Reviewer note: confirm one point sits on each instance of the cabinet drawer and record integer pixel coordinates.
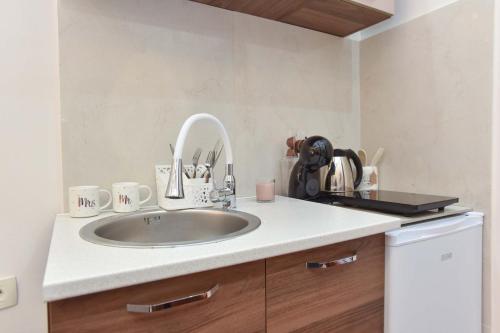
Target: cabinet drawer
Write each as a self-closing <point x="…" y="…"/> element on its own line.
<point x="347" y="297"/>
<point x="238" y="305"/>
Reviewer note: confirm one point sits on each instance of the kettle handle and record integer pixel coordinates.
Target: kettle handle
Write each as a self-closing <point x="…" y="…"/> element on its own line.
<point x="357" y="163"/>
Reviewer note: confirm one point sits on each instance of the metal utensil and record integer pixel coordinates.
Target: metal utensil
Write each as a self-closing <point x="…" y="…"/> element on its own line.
<point x="196" y="159"/>
<point x="217" y="145"/>
<point x="216" y="156"/>
<point x="362" y="156"/>
<point x="172" y="150"/>
<point x="208" y="165"/>
<point x="211" y="160"/>
<point x="209" y="157"/>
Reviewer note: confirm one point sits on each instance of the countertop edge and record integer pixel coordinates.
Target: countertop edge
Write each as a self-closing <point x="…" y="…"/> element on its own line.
<point x="59" y="291"/>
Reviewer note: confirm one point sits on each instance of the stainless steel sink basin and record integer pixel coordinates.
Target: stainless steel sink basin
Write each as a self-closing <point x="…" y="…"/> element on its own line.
<point x="159" y="228"/>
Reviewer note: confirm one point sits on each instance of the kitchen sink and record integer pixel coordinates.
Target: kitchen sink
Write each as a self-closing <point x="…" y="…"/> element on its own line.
<point x="159" y="228"/>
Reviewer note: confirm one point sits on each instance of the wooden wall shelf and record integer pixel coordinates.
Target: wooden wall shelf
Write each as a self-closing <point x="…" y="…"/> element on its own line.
<point x="336" y="17"/>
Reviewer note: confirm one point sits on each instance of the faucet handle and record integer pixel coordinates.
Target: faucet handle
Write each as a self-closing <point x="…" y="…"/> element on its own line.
<point x="224" y="195"/>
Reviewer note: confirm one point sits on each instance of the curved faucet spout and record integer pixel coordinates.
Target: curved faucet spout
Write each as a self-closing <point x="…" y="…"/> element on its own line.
<point x="181" y="138"/>
<point x="175" y="188"/>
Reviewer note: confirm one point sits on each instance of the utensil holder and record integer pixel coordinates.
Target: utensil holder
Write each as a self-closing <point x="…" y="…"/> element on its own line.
<point x="196" y="191"/>
<point x="370" y="180"/>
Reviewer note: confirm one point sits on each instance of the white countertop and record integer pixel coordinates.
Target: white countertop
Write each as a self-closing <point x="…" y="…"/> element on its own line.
<point x="76" y="267"/>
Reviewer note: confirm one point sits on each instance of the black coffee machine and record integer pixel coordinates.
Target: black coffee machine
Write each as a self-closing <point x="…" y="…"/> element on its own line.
<point x="305" y="180"/>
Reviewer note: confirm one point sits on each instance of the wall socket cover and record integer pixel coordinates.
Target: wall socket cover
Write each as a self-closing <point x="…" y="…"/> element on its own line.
<point x="8" y="292"/>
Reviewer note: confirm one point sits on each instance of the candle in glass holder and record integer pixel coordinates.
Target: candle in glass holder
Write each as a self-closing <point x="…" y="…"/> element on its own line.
<point x="265" y="190"/>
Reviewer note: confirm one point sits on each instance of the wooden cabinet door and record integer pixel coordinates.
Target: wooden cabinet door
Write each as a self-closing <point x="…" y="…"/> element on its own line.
<point x="238" y="305"/>
<point x="347" y="297"/>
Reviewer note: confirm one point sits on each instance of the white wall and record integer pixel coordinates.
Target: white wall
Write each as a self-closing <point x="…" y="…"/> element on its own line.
<point x="495" y="193"/>
<point x="433" y="84"/>
<point x="30" y="170"/>
<point x="404" y="11"/>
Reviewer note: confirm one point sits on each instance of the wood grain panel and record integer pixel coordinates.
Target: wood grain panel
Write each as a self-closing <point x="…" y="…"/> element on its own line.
<point x="346" y="298"/>
<point x="238" y="305"/>
<point x="271" y="9"/>
<point x="382" y="5"/>
<point x="323" y="22"/>
<point x="336" y="17"/>
<point x="347" y="11"/>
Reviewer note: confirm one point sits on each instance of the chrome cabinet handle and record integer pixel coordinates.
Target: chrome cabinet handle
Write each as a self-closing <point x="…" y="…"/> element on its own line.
<point x="336" y="262"/>
<point x="149" y="308"/>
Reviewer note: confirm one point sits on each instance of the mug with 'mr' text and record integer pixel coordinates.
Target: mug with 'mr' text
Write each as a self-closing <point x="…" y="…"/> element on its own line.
<point x="126" y="197"/>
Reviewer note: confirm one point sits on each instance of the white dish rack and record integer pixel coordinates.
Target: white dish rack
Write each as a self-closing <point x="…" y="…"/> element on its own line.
<point x="196" y="190"/>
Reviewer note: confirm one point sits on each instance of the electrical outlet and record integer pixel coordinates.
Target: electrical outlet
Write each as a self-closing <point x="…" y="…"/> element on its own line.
<point x="8" y="292"/>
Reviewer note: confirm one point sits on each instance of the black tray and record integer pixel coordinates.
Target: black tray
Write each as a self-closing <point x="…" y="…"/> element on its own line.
<point x="390" y="201"/>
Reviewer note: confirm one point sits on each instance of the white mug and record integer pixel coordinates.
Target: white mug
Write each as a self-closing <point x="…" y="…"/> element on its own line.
<point x="126" y="197"/>
<point x="84" y="201"/>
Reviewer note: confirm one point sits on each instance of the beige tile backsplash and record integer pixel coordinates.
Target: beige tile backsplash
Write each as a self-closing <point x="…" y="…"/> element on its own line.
<point x="426" y="97"/>
<point x="133" y="71"/>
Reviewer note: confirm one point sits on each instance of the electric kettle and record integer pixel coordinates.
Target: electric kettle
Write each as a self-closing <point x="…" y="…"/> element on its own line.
<point x="340" y="176"/>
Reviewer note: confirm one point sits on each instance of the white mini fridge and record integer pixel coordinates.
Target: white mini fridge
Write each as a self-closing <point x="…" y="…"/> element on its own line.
<point x="434" y="276"/>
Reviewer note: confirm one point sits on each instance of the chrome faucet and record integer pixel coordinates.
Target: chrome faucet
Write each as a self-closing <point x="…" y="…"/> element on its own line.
<point x="175" y="189"/>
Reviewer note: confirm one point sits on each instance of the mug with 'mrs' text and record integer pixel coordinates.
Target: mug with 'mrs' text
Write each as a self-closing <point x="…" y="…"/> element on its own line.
<point x="126" y="197"/>
<point x="84" y="201"/>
